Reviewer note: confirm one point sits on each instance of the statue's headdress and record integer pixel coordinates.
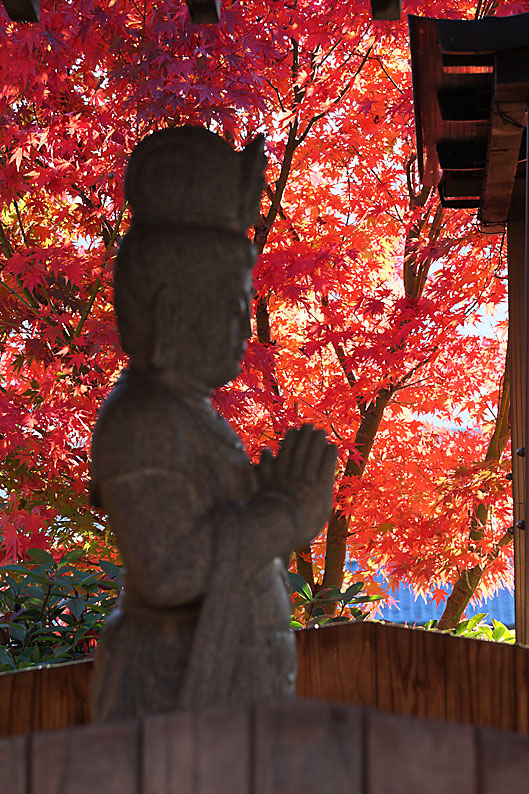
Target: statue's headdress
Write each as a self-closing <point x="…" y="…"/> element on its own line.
<point x="189" y="176"/>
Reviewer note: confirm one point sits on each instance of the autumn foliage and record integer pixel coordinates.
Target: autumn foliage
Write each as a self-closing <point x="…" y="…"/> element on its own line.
<point x="368" y="294"/>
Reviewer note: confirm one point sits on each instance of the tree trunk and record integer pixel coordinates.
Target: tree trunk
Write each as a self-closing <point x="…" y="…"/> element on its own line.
<point x="465" y="587"/>
<point x="338" y="527"/>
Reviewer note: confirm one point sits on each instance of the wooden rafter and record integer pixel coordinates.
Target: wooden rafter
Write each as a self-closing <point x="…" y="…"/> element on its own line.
<point x="22" y="10"/>
<point x="204" y="11"/>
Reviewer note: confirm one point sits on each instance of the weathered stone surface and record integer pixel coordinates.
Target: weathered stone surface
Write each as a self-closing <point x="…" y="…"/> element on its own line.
<point x="204" y="615"/>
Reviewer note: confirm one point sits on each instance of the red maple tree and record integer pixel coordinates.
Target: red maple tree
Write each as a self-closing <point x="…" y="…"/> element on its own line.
<point x="368" y="293"/>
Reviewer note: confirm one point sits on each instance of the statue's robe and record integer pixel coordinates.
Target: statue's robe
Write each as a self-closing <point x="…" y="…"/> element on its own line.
<point x="203" y="616"/>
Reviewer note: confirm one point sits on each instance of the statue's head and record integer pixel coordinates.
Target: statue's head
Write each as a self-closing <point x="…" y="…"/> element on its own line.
<point x="183" y="271"/>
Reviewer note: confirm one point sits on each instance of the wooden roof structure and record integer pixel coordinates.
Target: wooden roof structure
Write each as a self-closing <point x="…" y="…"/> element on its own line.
<point x="471" y="95"/>
<point x="470" y="89"/>
<point x="200" y="11"/>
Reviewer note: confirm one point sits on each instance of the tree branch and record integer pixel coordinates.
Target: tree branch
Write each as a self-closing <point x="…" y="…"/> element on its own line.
<point x="112" y="239"/>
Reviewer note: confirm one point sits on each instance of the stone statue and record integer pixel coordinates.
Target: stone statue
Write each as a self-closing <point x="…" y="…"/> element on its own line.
<point x="203" y="617"/>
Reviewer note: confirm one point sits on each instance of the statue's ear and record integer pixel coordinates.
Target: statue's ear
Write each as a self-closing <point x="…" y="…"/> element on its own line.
<point x="165" y="316"/>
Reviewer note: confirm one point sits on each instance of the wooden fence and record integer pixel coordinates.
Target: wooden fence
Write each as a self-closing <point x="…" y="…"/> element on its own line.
<point x="407" y="671"/>
<point x="284" y="747"/>
<point x="417" y="672"/>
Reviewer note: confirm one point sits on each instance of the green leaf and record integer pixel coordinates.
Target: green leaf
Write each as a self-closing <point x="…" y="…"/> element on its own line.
<point x="17" y="631"/>
<point x="42" y="557"/>
<point x="76" y="606"/>
<point x="72" y="556"/>
<point x="430" y="624"/>
<point x="352" y="591"/>
<point x="6" y="659"/>
<point x="13" y="567"/>
<point x="461" y="627"/>
<point x="476" y="619"/>
<point x="328" y="594"/>
<point x="297" y="585"/>
<point x="61" y="650"/>
<point x="115" y="570"/>
<point x="295" y="624"/>
<point x="499" y="632"/>
<point x="366" y="599"/>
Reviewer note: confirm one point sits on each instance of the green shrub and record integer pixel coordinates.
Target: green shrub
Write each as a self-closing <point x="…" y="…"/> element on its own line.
<point x="478" y="628"/>
<point x="52" y="612"/>
<point x="311" y="604"/>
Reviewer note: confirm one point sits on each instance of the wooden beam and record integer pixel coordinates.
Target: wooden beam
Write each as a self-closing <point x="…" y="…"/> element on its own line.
<point x="385" y="9"/>
<point x="490" y="34"/>
<point x="461" y="186"/>
<point x="203" y="12"/>
<point x="462" y="155"/>
<point x="465" y="104"/>
<point x="511" y="93"/>
<point x="23" y="10"/>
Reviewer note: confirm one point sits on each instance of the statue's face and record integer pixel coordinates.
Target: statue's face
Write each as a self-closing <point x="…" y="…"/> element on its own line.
<point x="205" y="340"/>
<point x="223" y="330"/>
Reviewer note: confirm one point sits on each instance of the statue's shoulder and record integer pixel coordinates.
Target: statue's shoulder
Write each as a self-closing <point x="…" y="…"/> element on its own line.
<point x="140" y="426"/>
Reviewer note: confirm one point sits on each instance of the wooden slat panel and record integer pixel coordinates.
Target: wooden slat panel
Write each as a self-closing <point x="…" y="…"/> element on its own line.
<point x="197" y="752"/>
<point x="169" y="754"/>
<point x="410" y="672"/>
<point x="45" y="698"/>
<point x="307" y="747"/>
<point x="416" y="672"/>
<point x="503" y="761"/>
<point x="349" y="654"/>
<point x="520" y="721"/>
<point x="222" y="750"/>
<point x="516" y="248"/>
<point x="94" y="759"/>
<point x="13" y="765"/>
<point x="481" y="684"/>
<point x="406" y="670"/>
<point x="414" y="756"/>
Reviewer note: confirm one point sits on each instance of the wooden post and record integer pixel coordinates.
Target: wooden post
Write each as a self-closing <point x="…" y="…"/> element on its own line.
<point x="518" y="351"/>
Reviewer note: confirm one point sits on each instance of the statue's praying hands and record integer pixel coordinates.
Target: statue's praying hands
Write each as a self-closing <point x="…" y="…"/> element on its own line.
<point x="304" y="471"/>
<point x="203" y="617"/>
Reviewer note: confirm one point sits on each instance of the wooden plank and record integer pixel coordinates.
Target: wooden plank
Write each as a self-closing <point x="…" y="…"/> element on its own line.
<point x="86" y="760"/>
<point x="481" y="683"/>
<point x="222" y="750"/>
<point x="520" y="720"/>
<point x="414" y="756"/>
<point x="517" y="347"/>
<point x="168" y="754"/>
<point x="410" y="671"/>
<point x="191" y="752"/>
<point x="505" y="136"/>
<point x="13" y="765"/>
<point x="45" y="698"/>
<point x="503" y="760"/>
<point x="309" y="747"/>
<point x="337" y="663"/>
